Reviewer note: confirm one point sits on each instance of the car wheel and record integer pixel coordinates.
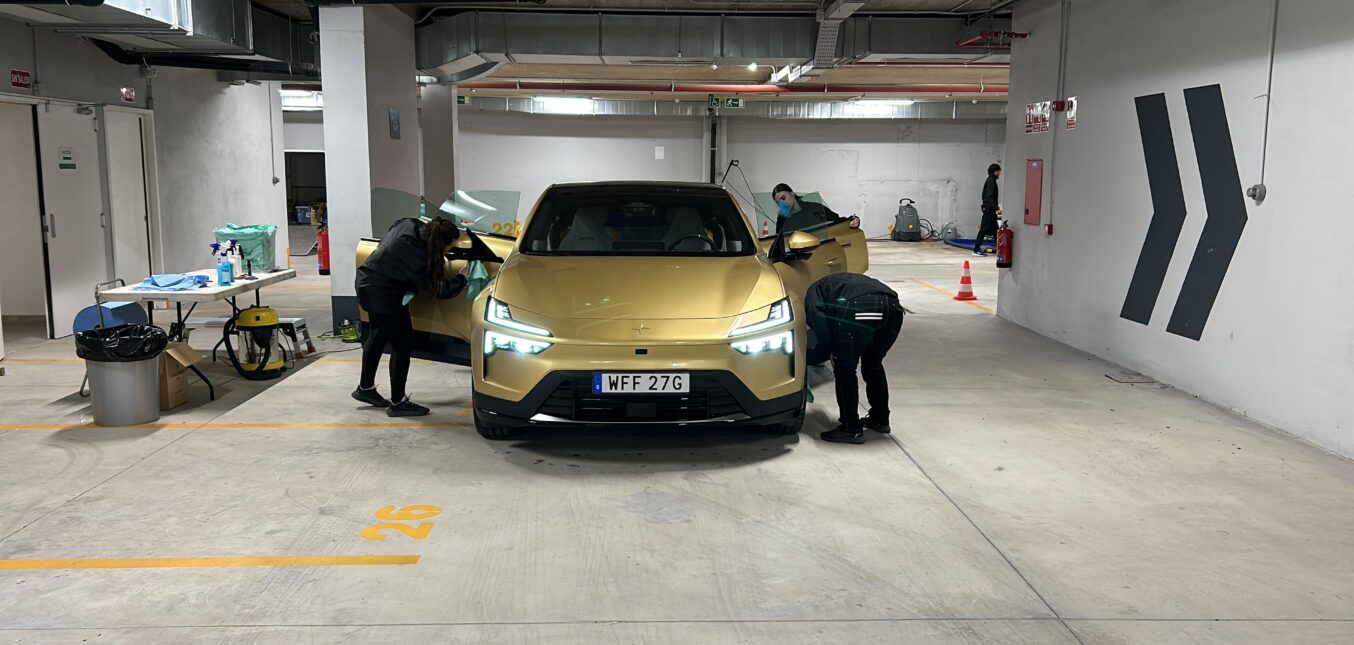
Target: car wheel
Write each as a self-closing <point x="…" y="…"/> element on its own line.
<point x="793" y="426"/>
<point x="491" y="431"/>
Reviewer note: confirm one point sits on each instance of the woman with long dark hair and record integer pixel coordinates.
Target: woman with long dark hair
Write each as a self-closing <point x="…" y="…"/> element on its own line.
<point x="411" y="257"/>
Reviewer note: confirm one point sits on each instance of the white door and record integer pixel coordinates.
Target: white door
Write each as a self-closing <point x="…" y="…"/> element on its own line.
<point x="22" y="289"/>
<point x="128" y="214"/>
<point x="73" y="214"/>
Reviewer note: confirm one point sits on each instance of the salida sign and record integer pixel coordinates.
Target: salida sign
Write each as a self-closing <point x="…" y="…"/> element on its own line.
<point x="21" y="79"/>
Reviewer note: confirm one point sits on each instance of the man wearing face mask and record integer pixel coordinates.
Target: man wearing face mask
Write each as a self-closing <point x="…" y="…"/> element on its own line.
<point x="795" y="214"/>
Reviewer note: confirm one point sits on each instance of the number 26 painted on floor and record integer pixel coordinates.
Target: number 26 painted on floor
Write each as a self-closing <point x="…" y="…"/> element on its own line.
<point x="415" y="512"/>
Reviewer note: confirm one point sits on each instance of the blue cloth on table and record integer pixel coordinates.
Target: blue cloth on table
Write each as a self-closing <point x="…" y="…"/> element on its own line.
<point x="172" y="282"/>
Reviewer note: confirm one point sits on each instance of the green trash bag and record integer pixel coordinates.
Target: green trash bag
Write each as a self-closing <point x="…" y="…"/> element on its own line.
<point x="259" y="242"/>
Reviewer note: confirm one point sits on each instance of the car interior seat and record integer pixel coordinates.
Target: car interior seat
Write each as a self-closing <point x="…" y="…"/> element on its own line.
<point x="588" y="232"/>
<point x="685" y="222"/>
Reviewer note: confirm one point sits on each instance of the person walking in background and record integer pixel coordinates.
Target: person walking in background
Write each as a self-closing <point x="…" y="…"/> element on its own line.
<point x="991" y="209"/>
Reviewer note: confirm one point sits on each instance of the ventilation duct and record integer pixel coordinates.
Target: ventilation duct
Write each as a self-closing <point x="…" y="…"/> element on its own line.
<point x="450" y="47"/>
<point x="942" y="110"/>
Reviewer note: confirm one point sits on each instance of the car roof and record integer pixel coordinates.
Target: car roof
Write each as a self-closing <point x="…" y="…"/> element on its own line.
<point x="639" y="184"/>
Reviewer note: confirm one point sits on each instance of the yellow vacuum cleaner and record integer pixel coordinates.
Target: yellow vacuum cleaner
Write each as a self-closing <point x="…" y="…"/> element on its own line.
<point x="264" y="356"/>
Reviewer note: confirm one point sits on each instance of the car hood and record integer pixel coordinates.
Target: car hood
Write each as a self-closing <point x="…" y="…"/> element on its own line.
<point x="641" y="288"/>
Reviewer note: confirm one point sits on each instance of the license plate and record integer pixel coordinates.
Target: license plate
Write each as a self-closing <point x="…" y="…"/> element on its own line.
<point x="615" y="383"/>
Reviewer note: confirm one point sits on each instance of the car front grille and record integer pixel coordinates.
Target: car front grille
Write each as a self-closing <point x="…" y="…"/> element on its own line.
<point x="574" y="400"/>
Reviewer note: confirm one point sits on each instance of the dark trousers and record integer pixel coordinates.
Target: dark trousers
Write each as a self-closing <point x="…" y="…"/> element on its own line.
<point x="988" y="228"/>
<point x="859" y="338"/>
<point x="397" y="330"/>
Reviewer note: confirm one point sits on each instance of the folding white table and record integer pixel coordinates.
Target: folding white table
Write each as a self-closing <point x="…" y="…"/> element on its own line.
<point x="212" y="292"/>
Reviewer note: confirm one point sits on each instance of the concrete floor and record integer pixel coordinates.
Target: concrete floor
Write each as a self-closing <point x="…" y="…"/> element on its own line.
<point x="1023" y="498"/>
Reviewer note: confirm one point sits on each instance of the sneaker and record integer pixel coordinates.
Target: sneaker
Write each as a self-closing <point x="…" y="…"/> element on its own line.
<point x="371" y="397"/>
<point x="881" y="425"/>
<point x="842" y="434"/>
<point x="979" y="254"/>
<point x="407" y="408"/>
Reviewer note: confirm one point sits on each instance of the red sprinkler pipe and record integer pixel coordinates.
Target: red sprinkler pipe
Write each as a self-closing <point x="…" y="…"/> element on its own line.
<point x="678" y="88"/>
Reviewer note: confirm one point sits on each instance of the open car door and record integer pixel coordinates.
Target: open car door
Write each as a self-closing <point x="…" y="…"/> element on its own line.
<point x="446" y="323"/>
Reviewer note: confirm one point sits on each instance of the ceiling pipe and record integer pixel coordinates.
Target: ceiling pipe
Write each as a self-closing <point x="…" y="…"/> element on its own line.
<point x="68" y="3"/>
<point x="699" y="88"/>
<point x="204" y="62"/>
<point x="925" y="63"/>
<point x="983" y="40"/>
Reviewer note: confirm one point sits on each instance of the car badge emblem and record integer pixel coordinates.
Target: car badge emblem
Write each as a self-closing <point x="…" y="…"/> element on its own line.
<point x="641" y="329"/>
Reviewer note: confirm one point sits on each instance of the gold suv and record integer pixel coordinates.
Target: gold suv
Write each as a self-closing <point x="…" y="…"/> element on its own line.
<point x="635" y="303"/>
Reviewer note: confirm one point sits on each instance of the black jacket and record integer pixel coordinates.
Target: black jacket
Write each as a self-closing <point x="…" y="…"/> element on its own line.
<point x="990" y="195"/>
<point x="831" y="299"/>
<point x="810" y="214"/>
<point x="399" y="266"/>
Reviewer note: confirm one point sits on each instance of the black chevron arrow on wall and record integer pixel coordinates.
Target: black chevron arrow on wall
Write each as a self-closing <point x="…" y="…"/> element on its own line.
<point x="1223" y="199"/>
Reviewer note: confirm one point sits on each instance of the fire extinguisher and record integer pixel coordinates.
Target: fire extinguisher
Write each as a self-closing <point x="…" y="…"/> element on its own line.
<point x="1005" y="248"/>
<point x="322" y="242"/>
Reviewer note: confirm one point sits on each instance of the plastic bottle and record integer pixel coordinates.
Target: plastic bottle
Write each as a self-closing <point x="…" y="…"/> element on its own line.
<point x="236" y="262"/>
<point x="225" y="273"/>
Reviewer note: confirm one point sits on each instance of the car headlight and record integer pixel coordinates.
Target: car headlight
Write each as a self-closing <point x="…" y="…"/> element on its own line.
<point x="494" y="341"/>
<point x="784" y="341"/>
<point x="498" y="313"/>
<point x="779" y="314"/>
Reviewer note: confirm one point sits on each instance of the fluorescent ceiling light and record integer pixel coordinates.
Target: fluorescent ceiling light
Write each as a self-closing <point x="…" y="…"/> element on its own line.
<point x="888" y="102"/>
<point x="563" y="105"/>
<point x="301" y="101"/>
<point x="426" y="80"/>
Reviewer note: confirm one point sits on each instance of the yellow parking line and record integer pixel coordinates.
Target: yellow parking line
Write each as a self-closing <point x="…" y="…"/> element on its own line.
<point x="232" y="426"/>
<point x="44" y="360"/>
<point x="942" y="291"/>
<point x="240" y="561"/>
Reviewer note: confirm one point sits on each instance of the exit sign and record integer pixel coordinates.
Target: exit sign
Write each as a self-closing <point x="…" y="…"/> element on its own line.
<point x="733" y="103"/>
<point x="462" y="100"/>
<point x="21" y="79"/>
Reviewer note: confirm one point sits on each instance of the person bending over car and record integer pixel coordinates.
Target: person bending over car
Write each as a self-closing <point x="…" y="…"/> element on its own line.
<point x="411" y="256"/>
<point x="795" y="214"/>
<point x="854" y="319"/>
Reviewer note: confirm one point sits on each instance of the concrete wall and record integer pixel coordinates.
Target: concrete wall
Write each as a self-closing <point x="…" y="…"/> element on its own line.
<point x="864" y="167"/>
<point x="303" y="131"/>
<point x="528" y="152"/>
<point x="65" y="67"/>
<point x="219" y="148"/>
<point x="1278" y="345"/>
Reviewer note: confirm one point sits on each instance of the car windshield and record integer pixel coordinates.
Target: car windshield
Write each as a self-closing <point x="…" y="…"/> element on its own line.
<point x="632" y="220"/>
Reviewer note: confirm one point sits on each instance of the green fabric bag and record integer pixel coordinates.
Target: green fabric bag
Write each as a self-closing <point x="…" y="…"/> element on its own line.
<point x="258" y="241"/>
<point x="475" y="280"/>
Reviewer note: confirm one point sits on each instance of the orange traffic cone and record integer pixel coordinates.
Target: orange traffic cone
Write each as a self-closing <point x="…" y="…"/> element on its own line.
<point x="766" y="230"/>
<point x="966" y="285"/>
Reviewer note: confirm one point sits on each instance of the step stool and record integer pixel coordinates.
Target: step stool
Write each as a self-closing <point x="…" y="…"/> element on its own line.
<point x="295" y="329"/>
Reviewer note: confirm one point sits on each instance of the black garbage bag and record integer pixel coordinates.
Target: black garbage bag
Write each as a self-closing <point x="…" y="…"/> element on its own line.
<point x="121" y="344"/>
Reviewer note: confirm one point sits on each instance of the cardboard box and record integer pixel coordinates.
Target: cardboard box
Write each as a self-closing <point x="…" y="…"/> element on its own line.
<point x="174" y="364"/>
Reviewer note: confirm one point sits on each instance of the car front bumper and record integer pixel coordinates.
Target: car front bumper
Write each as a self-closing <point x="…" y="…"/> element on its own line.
<point x="565" y="398"/>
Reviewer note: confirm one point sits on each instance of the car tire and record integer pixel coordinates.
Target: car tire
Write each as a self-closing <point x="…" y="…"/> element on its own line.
<point x="491" y="431"/>
<point x="793" y="426"/>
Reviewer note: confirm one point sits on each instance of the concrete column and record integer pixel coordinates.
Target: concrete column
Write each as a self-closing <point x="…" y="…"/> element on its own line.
<point x="371" y="133"/>
<point x="440" y="125"/>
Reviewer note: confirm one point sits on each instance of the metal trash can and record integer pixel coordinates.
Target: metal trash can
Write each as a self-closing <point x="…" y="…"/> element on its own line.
<point x="124" y="372"/>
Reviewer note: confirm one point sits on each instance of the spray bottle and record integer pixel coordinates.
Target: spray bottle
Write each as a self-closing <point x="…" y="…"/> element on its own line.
<point x="225" y="272"/>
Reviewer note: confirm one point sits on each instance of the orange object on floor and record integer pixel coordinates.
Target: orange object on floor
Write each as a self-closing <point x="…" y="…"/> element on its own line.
<point x="966" y="285"/>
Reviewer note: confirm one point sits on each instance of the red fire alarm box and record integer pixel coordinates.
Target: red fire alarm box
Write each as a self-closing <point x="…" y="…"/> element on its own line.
<point x="1034" y="190"/>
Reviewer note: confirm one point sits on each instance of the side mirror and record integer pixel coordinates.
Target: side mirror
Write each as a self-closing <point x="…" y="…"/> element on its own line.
<point x="801" y="242"/>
